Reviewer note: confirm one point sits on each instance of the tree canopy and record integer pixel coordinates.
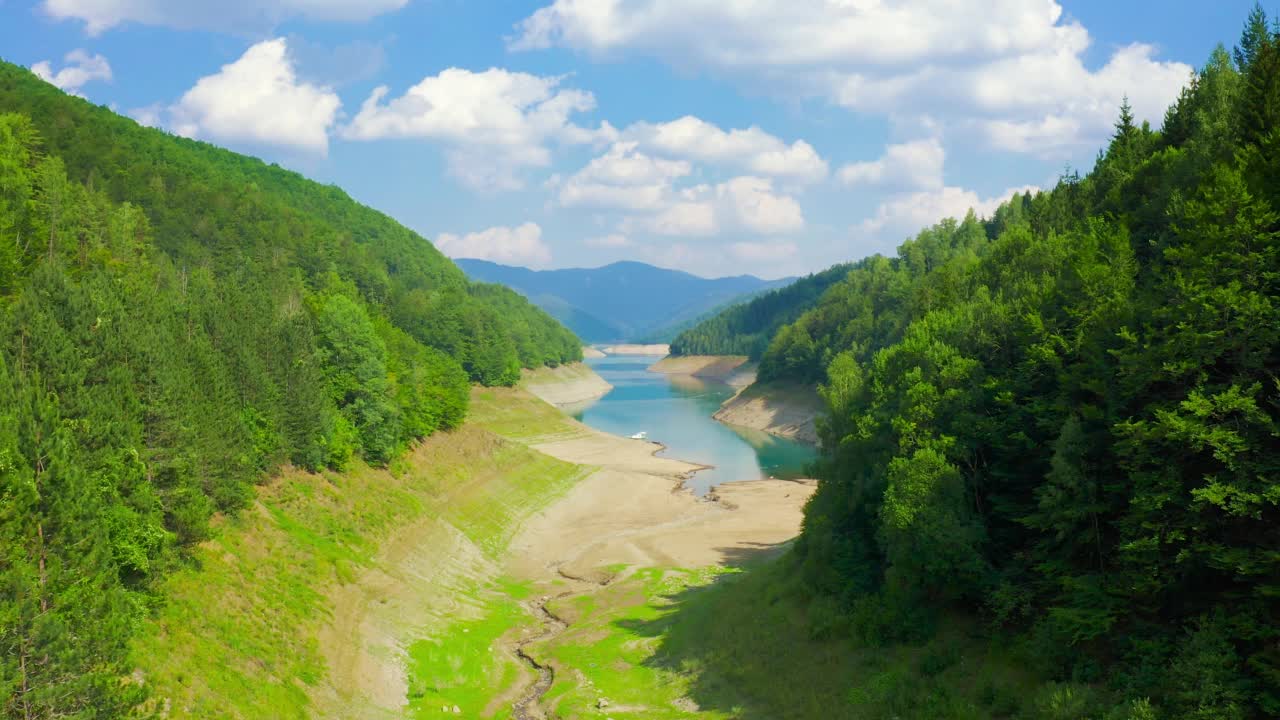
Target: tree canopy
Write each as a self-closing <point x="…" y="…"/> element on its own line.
<point x="1064" y="418"/>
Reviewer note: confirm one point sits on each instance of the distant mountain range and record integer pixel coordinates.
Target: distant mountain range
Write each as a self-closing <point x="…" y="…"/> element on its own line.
<point x="625" y="301"/>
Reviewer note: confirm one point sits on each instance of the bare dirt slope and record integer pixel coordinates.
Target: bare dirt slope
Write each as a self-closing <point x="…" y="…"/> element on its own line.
<point x="732" y="369"/>
<point x="783" y="410"/>
<point x="617" y="517"/>
<point x="565" y="385"/>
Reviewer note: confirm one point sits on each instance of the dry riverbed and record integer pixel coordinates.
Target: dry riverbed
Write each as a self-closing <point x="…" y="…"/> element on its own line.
<point x="600" y="545"/>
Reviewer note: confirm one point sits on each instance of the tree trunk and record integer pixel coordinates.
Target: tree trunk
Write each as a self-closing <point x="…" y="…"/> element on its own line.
<point x="22" y="664"/>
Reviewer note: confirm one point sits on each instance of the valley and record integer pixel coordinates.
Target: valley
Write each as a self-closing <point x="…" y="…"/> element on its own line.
<point x="551" y="423"/>
<point x="427" y="593"/>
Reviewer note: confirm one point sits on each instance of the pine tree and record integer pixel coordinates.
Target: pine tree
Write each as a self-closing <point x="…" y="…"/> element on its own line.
<point x="1256" y="34"/>
<point x="1260" y="114"/>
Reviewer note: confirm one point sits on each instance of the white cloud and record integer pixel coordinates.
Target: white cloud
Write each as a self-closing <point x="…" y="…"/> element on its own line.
<point x="229" y="15"/>
<point x="626" y="179"/>
<point x="744" y="204"/>
<point x="912" y="165"/>
<point x="613" y="240"/>
<point x="521" y="245"/>
<point x="692" y="218"/>
<point x="150" y="115"/>
<point x="752" y="203"/>
<point x="768" y="33"/>
<point x="752" y="148"/>
<point x="906" y="214"/>
<point x="80" y="69"/>
<point x="1012" y="70"/>
<point x="623" y="178"/>
<point x="257" y="99"/>
<point x="1084" y="106"/>
<point x="497" y="122"/>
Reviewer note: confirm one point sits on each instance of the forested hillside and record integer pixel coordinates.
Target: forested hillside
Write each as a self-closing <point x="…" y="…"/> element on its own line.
<point x="1066" y="419"/>
<point x="747" y="328"/>
<point x="176" y="323"/>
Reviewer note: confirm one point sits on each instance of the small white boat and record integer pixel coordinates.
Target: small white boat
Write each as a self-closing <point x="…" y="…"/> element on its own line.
<point x="640" y="436"/>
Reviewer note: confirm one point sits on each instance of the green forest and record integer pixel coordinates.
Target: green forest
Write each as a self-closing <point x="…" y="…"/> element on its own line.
<point x="176" y="323"/>
<point x="1065" y="419"/>
<point x="746" y="328"/>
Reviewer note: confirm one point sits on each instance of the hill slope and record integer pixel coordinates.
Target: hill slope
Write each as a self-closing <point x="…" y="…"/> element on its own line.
<point x="620" y="302"/>
<point x="747" y="327"/>
<point x="1064" y="419"/>
<point x="177" y="323"/>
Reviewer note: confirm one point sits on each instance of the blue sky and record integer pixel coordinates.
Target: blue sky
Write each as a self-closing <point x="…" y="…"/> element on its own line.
<point x="715" y="136"/>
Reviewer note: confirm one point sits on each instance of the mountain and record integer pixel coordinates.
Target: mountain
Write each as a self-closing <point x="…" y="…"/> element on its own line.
<point x="622" y="301"/>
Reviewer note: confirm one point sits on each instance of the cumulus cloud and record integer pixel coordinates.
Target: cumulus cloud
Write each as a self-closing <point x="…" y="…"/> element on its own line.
<point x="746" y="204"/>
<point x="1013" y="70"/>
<point x="771" y="33"/>
<point x="629" y="180"/>
<point x="752" y="149"/>
<point x="687" y="217"/>
<point x="257" y="99"/>
<point x="905" y="214"/>
<point x="912" y="165"/>
<point x="753" y="204"/>
<point x="623" y="178"/>
<point x="520" y="245"/>
<point x="497" y="122"/>
<point x="1086" y="105"/>
<point x="223" y="15"/>
<point x="80" y="68"/>
<point x="150" y="115"/>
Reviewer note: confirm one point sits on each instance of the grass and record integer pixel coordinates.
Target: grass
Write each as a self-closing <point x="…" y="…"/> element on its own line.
<point x="509" y="413"/>
<point x="606" y="653"/>
<point x="236" y="635"/>
<point x="721" y="644"/>
<point x="462" y="665"/>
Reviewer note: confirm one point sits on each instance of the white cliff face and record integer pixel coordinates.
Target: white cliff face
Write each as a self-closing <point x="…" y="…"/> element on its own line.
<point x="565" y="385"/>
<point x="785" y="411"/>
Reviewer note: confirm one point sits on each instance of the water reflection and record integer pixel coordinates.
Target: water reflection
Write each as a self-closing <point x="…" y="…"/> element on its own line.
<point x="676" y="411"/>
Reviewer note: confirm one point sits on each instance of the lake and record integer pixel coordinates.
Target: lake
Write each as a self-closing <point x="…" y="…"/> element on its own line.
<point x="676" y="410"/>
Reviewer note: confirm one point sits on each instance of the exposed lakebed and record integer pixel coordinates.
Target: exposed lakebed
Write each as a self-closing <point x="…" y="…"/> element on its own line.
<point x="676" y="410"/>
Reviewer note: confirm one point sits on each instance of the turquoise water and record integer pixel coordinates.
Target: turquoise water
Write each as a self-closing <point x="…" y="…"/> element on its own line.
<point x="676" y="411"/>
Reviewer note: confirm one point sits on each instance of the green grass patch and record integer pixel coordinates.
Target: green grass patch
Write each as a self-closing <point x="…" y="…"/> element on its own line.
<point x="749" y="645"/>
<point x="463" y="665"/>
<point x="608" y="649"/>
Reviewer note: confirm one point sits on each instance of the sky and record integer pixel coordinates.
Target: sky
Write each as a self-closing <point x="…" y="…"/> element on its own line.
<point x="721" y="137"/>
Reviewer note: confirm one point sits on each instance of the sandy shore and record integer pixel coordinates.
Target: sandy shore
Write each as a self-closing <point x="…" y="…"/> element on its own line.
<point x="589" y="353"/>
<point x="732" y="369"/>
<point x="786" y="411"/>
<point x="634" y="511"/>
